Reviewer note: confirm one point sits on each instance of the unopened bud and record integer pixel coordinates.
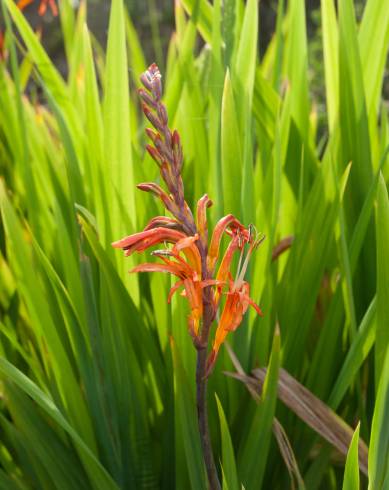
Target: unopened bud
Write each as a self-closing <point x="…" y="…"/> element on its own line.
<point x="167" y="177"/>
<point x="152" y="117"/>
<point x="176" y="140"/>
<point x="163" y="149"/>
<point x="145" y="81"/>
<point x="155" y="80"/>
<point x="159" y="192"/>
<point x="146" y="97"/>
<point x="155" y="155"/>
<point x="151" y="134"/>
<point x="151" y="79"/>
<point x="162" y="114"/>
<point x="177" y="151"/>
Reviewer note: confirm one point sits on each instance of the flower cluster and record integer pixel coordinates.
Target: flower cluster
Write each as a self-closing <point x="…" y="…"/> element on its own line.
<point x="204" y="277"/>
<point x="22" y="4"/>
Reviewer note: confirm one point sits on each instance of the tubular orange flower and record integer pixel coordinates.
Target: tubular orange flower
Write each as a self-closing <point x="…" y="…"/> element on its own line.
<point x="188" y="270"/>
<point x="237" y="303"/>
<point x="238" y="296"/>
<point x="202" y="227"/>
<point x="3" y="51"/>
<point x="140" y="242"/>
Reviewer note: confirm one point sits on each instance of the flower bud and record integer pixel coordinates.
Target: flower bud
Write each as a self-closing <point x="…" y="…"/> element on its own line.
<point x="146" y="97"/>
<point x="151" y="134"/>
<point x="163" y="149"/>
<point x="155" y="80"/>
<point x="155" y="155"/>
<point x="177" y="151"/>
<point x="152" y="117"/>
<point x="162" y="114"/>
<point x="151" y="79"/>
<point x="145" y="81"/>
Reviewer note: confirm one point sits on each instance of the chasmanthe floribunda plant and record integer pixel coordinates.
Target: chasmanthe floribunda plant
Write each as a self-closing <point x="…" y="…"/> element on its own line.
<point x="202" y="276"/>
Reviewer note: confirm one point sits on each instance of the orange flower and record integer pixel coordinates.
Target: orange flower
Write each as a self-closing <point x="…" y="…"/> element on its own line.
<point x="3" y="51"/>
<point x="183" y="260"/>
<point x="22" y="4"/>
<point x="238" y="294"/>
<point x="187" y="267"/>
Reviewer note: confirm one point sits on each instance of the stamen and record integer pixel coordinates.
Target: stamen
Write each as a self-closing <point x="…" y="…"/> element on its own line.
<point x="166" y="252"/>
<point x="239" y="280"/>
<point x="239" y="263"/>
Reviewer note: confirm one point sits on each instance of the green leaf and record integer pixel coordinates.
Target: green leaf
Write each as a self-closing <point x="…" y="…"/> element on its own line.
<point x="187" y="418"/>
<point x="351" y="472"/>
<point x="357" y="353"/>
<point x="382" y="227"/>
<point x="98" y="475"/>
<point x="331" y="61"/>
<point x="243" y="75"/>
<point x="230" y="476"/>
<point x="374" y="31"/>
<point x="243" y="78"/>
<point x="231" y="150"/>
<point x="117" y="143"/>
<point x="203" y="11"/>
<point x="379" y="441"/>
<point x="297" y="66"/>
<point x="254" y="452"/>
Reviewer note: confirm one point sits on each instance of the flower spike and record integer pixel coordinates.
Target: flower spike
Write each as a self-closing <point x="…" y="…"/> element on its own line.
<point x="206" y="281"/>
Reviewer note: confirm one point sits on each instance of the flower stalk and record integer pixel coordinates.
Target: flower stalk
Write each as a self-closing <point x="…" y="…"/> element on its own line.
<point x="206" y="280"/>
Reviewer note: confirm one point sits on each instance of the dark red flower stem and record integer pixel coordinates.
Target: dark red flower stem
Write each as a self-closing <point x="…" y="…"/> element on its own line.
<point x="202" y="414"/>
<point x="201" y="378"/>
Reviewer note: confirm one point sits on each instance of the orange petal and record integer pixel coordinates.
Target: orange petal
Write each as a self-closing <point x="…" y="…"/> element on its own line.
<point x="211" y="282"/>
<point x="230" y="320"/>
<point x="211" y="362"/>
<point x="254" y="305"/>
<point x="173" y="289"/>
<point x="159" y="192"/>
<point x="225" y="264"/>
<point x="194" y="296"/>
<point x="42" y="8"/>
<point x="150" y="267"/>
<point x="244" y="293"/>
<point x="162" y="221"/>
<point x="202" y="206"/>
<point x="54" y="8"/>
<point x="224" y="268"/>
<point x="190" y="250"/>
<point x="141" y="241"/>
<point x="193" y="293"/>
<point x="186" y="267"/>
<point x="22" y="4"/>
<point x="222" y="225"/>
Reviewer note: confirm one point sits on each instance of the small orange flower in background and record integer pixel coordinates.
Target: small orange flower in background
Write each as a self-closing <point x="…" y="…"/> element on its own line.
<point x="3" y="50"/>
<point x="203" y="277"/>
<point x="44" y="4"/>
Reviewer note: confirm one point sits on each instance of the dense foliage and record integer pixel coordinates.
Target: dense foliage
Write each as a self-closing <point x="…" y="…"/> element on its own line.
<point x="97" y="369"/>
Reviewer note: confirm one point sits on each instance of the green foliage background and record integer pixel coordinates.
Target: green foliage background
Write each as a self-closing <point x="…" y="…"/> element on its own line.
<point x="97" y="369"/>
